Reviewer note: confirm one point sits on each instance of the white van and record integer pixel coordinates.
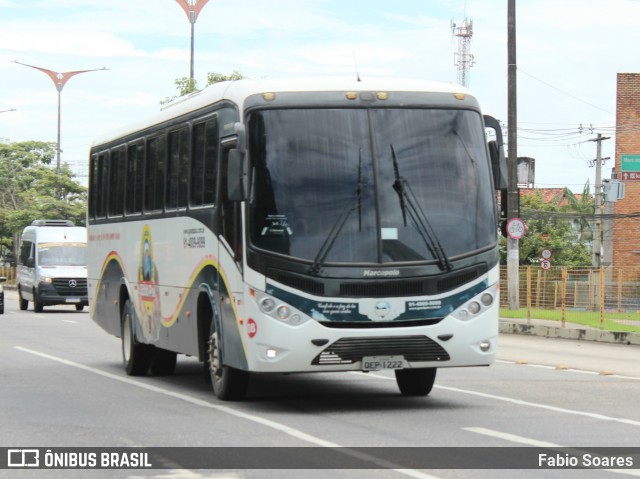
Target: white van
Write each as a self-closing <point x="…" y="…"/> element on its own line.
<point x="52" y="265"/>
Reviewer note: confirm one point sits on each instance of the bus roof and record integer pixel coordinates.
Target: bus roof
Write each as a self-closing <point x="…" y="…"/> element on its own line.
<point x="238" y="90"/>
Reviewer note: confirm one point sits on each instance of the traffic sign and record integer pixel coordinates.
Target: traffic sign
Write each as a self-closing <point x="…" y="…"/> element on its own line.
<point x="546" y="253"/>
<point x="630" y="162"/>
<point x="545" y="264"/>
<point x="516" y="228"/>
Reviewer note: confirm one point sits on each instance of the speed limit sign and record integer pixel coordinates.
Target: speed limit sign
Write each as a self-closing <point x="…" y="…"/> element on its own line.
<point x="516" y="228"/>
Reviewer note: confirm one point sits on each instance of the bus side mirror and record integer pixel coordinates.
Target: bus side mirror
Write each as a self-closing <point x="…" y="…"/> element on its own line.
<point x="235" y="175"/>
<point x="496" y="150"/>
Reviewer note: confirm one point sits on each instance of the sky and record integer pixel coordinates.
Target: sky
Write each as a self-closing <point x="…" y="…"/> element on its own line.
<point x="568" y="55"/>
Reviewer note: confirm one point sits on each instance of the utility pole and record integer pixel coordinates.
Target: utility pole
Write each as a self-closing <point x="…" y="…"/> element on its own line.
<point x="513" y="199"/>
<point x="597" y="239"/>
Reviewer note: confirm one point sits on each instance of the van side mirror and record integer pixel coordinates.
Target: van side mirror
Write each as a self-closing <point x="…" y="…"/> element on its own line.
<point x="30" y="263"/>
<point x="236" y="175"/>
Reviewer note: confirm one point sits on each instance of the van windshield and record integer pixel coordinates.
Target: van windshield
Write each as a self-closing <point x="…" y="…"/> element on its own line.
<point x="62" y="254"/>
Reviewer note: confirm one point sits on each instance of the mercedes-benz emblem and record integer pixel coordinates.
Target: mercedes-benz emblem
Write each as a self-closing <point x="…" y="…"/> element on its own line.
<point x="73" y="283"/>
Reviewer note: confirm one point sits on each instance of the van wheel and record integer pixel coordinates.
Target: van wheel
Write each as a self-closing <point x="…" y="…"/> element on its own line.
<point x="136" y="356"/>
<point x="415" y="382"/>
<point x="38" y="307"/>
<point x="228" y="383"/>
<point x="24" y="304"/>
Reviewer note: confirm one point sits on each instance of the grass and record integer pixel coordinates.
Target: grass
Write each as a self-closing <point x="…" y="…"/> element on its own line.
<point x="587" y="318"/>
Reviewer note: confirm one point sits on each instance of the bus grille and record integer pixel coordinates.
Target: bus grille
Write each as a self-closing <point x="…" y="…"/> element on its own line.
<point x="351" y="350"/>
<point x="64" y="286"/>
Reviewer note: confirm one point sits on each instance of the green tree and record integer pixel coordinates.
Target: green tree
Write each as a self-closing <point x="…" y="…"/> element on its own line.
<point x="549" y="228"/>
<point x="584" y="207"/>
<point x="186" y="85"/>
<point x="30" y="189"/>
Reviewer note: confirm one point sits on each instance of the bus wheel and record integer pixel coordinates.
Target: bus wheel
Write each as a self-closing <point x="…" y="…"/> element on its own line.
<point x="24" y="304"/>
<point x="163" y="362"/>
<point x="415" y="382"/>
<point x="136" y="356"/>
<point x="228" y="383"/>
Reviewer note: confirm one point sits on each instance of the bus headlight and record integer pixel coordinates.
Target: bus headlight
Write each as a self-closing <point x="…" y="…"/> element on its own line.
<point x="283" y="312"/>
<point x="486" y="299"/>
<point x="474" y="307"/>
<point x="278" y="310"/>
<point x="477" y="305"/>
<point x="267" y="305"/>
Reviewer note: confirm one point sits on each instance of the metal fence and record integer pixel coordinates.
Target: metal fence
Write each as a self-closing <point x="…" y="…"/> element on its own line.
<point x="9" y="273"/>
<point x="596" y="290"/>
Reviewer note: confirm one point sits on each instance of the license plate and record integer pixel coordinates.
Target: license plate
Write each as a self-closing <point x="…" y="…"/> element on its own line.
<point x="376" y="363"/>
<point x="73" y="300"/>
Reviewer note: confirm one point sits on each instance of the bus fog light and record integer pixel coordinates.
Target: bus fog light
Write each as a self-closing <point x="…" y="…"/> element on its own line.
<point x="474" y="307"/>
<point x="283" y="312"/>
<point x="267" y="305"/>
<point x="485" y="346"/>
<point x="295" y="319"/>
<point x="463" y="314"/>
<point x="486" y="299"/>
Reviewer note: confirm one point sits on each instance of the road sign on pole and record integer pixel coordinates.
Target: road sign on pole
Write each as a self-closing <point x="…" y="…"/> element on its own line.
<point x="516" y="228"/>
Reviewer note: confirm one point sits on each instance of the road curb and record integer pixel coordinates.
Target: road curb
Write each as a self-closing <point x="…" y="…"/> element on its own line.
<point x="508" y="327"/>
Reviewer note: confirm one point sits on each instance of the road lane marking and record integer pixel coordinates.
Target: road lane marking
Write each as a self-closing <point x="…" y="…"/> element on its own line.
<point x="511" y="437"/>
<point x="233" y="412"/>
<point x="568" y="369"/>
<point x="536" y="443"/>
<point x="520" y="402"/>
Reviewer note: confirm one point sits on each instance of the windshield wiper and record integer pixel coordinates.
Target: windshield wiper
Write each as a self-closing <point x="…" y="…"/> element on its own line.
<point x="330" y="240"/>
<point x="410" y="205"/>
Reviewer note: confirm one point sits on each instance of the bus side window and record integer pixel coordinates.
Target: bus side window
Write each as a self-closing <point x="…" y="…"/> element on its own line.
<point x="134" y="182"/>
<point x="116" y="183"/>
<point x="204" y="161"/>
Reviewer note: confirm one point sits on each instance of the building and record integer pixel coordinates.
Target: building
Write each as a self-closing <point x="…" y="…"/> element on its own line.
<point x="626" y="227"/>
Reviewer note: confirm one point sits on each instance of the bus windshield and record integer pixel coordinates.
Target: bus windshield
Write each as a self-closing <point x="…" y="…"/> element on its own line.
<point x="385" y="185"/>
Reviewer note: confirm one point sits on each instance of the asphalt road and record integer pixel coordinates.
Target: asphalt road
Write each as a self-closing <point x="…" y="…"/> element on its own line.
<point x="63" y="385"/>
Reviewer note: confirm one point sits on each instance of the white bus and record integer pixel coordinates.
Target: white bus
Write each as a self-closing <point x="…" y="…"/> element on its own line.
<point x="284" y="226"/>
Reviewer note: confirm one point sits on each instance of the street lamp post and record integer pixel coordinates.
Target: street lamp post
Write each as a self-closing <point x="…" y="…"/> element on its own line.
<point x="192" y="8"/>
<point x="59" y="80"/>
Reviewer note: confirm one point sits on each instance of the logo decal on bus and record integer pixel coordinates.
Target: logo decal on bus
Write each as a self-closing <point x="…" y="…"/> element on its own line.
<point x="149" y="314"/>
<point x="252" y="328"/>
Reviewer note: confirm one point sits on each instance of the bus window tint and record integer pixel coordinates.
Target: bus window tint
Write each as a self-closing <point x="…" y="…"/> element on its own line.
<point x="116" y="182"/>
<point x="178" y="168"/>
<point x="135" y="158"/>
<point x="204" y="162"/>
<point x="154" y="167"/>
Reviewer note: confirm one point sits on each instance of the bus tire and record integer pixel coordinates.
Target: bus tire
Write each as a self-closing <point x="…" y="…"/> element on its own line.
<point x="228" y="383"/>
<point x="163" y="362"/>
<point x="136" y="357"/>
<point x="415" y="382"/>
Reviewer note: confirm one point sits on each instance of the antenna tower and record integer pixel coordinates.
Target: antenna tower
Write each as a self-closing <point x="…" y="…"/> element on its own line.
<point x="463" y="59"/>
